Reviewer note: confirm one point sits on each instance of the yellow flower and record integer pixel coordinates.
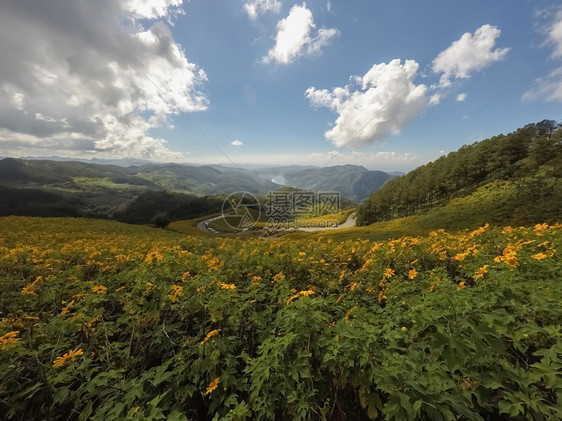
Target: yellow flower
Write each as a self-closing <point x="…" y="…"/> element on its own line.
<point x="389" y="272"/>
<point x="511" y="260"/>
<point x="480" y="272"/>
<point x="256" y="280"/>
<point x="70" y="355"/>
<point x="539" y="256"/>
<point x="228" y="286"/>
<point x="100" y="289"/>
<point x="412" y="273"/>
<point x="381" y="296"/>
<point x="351" y="286"/>
<point x="150" y="286"/>
<point x="507" y="230"/>
<point x="153" y="255"/>
<point x="67" y="308"/>
<point x="434" y="286"/>
<point x="540" y="228"/>
<point x="9" y="340"/>
<point x="479" y="230"/>
<point x="30" y="289"/>
<point x="460" y="257"/>
<point x="509" y="255"/>
<point x="185" y="276"/>
<point x="461" y="286"/>
<point x="213" y="385"/>
<point x="366" y="265"/>
<point x="300" y="294"/>
<point x="175" y="293"/>
<point x="348" y="313"/>
<point x="280" y="277"/>
<point x="210" y="335"/>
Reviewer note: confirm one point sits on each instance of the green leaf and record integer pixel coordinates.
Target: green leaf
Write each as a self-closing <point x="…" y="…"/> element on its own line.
<point x="176" y="416"/>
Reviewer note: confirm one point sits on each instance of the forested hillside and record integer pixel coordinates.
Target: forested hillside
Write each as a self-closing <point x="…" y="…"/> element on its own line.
<point x="529" y="160"/>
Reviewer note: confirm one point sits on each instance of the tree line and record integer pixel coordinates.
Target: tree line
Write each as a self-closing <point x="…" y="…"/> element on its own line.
<point x="530" y="153"/>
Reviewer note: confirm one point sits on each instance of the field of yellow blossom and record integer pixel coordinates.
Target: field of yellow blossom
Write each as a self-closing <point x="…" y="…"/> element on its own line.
<point x="106" y="321"/>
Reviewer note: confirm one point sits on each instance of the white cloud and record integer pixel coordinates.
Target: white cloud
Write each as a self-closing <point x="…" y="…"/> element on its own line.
<point x="380" y="103"/>
<point x="256" y="8"/>
<point x="555" y="35"/>
<point x="18" y="100"/>
<point x="461" y="97"/>
<point x="435" y="99"/>
<point x="87" y="78"/>
<point x="237" y="143"/>
<point x="328" y="6"/>
<point x="549" y="88"/>
<point x="471" y="53"/>
<point x="153" y="9"/>
<point x="295" y="37"/>
<point x="371" y="158"/>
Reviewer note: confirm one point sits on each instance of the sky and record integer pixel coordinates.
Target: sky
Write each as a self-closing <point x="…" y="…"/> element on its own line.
<point x="389" y="85"/>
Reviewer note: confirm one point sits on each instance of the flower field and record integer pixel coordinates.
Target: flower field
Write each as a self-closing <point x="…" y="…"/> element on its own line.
<point x="105" y="321"/>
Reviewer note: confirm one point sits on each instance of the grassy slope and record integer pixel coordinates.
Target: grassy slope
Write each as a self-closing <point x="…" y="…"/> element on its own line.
<point x="497" y="203"/>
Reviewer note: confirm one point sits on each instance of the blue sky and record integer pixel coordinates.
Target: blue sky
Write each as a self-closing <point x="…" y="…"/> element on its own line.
<point x="385" y="84"/>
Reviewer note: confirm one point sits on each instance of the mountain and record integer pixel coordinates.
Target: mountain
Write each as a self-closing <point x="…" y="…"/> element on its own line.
<point x="71" y="188"/>
<point x="508" y="179"/>
<point x="122" y="162"/>
<point x="352" y="181"/>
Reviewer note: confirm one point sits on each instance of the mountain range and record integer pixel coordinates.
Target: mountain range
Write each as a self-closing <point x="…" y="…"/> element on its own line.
<point x="72" y="188"/>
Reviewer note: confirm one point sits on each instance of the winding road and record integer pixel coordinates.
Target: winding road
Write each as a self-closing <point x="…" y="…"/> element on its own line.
<point x="351" y="221"/>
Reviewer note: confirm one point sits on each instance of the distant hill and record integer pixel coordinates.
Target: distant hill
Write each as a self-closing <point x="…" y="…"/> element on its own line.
<point x="70" y="188"/>
<point x="350" y="181"/>
<point x="508" y="179"/>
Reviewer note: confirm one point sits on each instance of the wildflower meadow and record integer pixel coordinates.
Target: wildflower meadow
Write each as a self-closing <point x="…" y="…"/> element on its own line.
<point x="106" y="321"/>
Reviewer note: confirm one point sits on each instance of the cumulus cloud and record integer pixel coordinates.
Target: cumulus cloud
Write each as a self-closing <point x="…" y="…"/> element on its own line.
<point x="469" y="54"/>
<point x="296" y="37"/>
<point x="375" y="105"/>
<point x="237" y="143"/>
<point x="257" y="8"/>
<point x="88" y="78"/>
<point x="153" y="9"/>
<point x="549" y="88"/>
<point x="461" y="97"/>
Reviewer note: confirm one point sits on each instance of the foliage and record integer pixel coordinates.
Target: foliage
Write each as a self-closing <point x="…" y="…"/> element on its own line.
<point x="530" y="158"/>
<point x="107" y="321"/>
<point x="162" y="207"/>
